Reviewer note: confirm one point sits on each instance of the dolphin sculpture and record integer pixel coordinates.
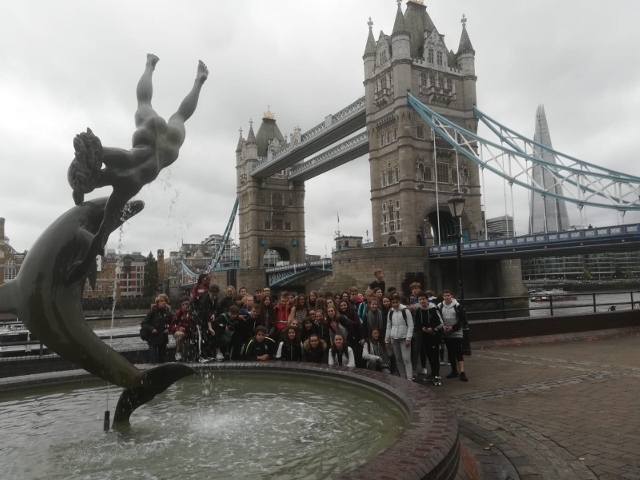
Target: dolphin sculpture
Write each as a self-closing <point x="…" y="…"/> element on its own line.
<point x="51" y="307"/>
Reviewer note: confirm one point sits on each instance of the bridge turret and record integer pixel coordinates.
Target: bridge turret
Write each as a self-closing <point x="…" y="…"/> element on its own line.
<point x="250" y="146"/>
<point x="466" y="54"/>
<point x="369" y="57"/>
<point x="401" y="55"/>
<point x="239" y="148"/>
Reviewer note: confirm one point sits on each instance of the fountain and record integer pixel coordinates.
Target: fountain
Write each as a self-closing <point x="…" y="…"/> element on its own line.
<point x="242" y="420"/>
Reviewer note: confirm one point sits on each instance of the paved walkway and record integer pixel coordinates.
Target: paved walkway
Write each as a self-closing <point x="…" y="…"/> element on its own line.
<point x="555" y="411"/>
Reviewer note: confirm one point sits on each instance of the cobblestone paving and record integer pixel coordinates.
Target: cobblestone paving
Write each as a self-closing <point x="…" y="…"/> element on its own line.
<point x="554" y="411"/>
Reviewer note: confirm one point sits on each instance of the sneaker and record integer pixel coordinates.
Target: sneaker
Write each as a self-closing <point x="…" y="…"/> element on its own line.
<point x="437" y="381"/>
<point x="463" y="377"/>
<point x="453" y="375"/>
<point x="424" y="371"/>
<point x="429" y="378"/>
<point x="442" y="362"/>
<point x="219" y="357"/>
<point x="178" y="356"/>
<point x="204" y="359"/>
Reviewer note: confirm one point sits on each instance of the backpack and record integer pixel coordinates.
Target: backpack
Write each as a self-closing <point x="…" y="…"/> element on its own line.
<point x="144" y="333"/>
<point x="404" y="315"/>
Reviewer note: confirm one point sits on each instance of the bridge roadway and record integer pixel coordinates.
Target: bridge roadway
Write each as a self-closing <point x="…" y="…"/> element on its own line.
<point x="574" y="242"/>
<point x="342" y="153"/>
<point x="335" y="127"/>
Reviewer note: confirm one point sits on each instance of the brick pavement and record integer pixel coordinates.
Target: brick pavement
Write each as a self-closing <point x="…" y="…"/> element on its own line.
<point x="554" y="411"/>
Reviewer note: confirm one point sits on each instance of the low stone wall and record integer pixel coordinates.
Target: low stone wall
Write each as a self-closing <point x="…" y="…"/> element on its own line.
<point x="486" y="330"/>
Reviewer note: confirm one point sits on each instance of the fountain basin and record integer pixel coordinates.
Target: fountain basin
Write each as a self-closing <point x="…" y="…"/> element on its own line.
<point x="374" y="426"/>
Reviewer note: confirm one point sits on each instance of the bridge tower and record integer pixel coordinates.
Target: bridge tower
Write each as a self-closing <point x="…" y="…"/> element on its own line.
<point x="271" y="210"/>
<point x="410" y="180"/>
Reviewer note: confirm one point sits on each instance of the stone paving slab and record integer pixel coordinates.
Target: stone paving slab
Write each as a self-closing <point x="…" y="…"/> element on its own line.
<point x="552" y="411"/>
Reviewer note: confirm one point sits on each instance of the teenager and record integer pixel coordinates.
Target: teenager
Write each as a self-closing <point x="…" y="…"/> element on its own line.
<point x="267" y="315"/>
<point x="337" y="324"/>
<point x="313" y="296"/>
<point x="156" y="326"/>
<point x="281" y="312"/>
<point x="290" y="349"/>
<point x="399" y="333"/>
<point x="181" y="328"/>
<point x="224" y="329"/>
<point x="340" y="353"/>
<point x="453" y="319"/>
<point x="375" y="353"/>
<point x="416" y="339"/>
<point x="378" y="281"/>
<point x="322" y="324"/>
<point x="260" y="347"/>
<point x="354" y="330"/>
<point x="374" y="319"/>
<point x="300" y="308"/>
<point x="208" y="309"/>
<point x="315" y="350"/>
<point x="430" y="325"/>
<point x="309" y="328"/>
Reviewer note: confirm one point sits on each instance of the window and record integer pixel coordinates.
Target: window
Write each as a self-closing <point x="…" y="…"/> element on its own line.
<point x="384" y="180"/>
<point x="430" y="58"/>
<point x="439" y="57"/>
<point x="396" y="174"/>
<point x="423" y="79"/>
<point x="287" y="226"/>
<point x="277" y="199"/>
<point x="277" y="224"/>
<point x="390" y="177"/>
<point x="420" y="132"/>
<point x="443" y="173"/>
<point x="383" y="57"/>
<point x="427" y="174"/>
<point x="267" y="224"/>
<point x="291" y="200"/>
<point x="263" y="199"/>
<point x="383" y="82"/>
<point x="449" y="86"/>
<point x="432" y="80"/>
<point x="454" y="175"/>
<point x="10" y="270"/>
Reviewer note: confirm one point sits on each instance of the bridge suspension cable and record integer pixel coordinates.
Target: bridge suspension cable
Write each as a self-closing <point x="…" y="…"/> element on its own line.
<point x="217" y="256"/>
<point x="583" y="183"/>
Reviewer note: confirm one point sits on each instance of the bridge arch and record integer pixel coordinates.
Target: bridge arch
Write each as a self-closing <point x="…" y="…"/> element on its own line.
<point x="447" y="225"/>
<point x="271" y="254"/>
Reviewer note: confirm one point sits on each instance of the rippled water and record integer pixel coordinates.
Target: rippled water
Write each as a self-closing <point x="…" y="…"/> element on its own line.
<point x="227" y="426"/>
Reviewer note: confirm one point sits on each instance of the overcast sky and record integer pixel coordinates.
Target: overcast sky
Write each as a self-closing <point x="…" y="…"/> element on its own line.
<point x="69" y="65"/>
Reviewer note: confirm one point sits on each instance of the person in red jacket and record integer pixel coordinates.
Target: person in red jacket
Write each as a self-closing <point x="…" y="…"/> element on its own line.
<point x="282" y="311"/>
<point x="180" y="328"/>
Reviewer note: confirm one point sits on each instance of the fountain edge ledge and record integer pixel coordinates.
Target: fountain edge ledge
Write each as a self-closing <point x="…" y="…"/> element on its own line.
<point x="428" y="448"/>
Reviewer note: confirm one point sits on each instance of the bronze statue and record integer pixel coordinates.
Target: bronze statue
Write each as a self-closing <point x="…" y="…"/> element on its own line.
<point x="156" y="144"/>
<point x="46" y="295"/>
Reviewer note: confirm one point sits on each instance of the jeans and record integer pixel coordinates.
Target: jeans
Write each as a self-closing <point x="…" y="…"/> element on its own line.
<point x="416" y="345"/>
<point x="156" y="353"/>
<point x="373" y="365"/>
<point x="181" y="344"/>
<point x="454" y="352"/>
<point x="403" y="357"/>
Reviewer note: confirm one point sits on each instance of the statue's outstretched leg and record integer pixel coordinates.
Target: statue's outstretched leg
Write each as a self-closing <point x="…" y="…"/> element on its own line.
<point x="175" y="125"/>
<point x="144" y="91"/>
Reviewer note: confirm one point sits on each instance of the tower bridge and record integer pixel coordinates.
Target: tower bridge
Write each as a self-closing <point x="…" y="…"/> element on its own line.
<point x="419" y="120"/>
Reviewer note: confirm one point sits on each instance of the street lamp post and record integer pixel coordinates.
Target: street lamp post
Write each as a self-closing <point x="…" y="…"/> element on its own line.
<point x="456" y="206"/>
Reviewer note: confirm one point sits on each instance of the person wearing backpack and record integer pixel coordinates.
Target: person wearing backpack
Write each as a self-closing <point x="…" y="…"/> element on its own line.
<point x="453" y="318"/>
<point x="399" y="333"/>
<point x="430" y="325"/>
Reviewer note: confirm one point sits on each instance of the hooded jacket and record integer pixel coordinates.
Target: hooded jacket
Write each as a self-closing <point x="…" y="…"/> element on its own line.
<point x="315" y="355"/>
<point x="452" y="316"/>
<point x="400" y="326"/>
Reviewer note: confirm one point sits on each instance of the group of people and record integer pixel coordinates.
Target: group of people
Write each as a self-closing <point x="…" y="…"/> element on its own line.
<point x="379" y="330"/>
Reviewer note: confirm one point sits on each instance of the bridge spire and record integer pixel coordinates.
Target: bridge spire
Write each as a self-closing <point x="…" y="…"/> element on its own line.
<point x="240" y="141"/>
<point x="398" y="25"/>
<point x="465" y="41"/>
<point x="251" y="137"/>
<point x="370" y="49"/>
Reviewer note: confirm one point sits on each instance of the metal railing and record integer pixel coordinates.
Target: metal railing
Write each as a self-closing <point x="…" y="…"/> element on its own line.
<point x="554" y="304"/>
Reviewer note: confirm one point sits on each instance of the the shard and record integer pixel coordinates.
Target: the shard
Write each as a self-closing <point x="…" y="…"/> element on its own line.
<point x="547" y="209"/>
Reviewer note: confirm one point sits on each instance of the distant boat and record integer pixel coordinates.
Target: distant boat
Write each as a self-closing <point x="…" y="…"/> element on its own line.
<point x="557" y="294"/>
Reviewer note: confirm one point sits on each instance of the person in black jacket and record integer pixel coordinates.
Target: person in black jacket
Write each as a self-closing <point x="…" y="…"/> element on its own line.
<point x="314" y="350"/>
<point x="207" y="310"/>
<point x="156" y="324"/>
<point x="430" y="324"/>
<point x="290" y="348"/>
<point x="260" y="347"/>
